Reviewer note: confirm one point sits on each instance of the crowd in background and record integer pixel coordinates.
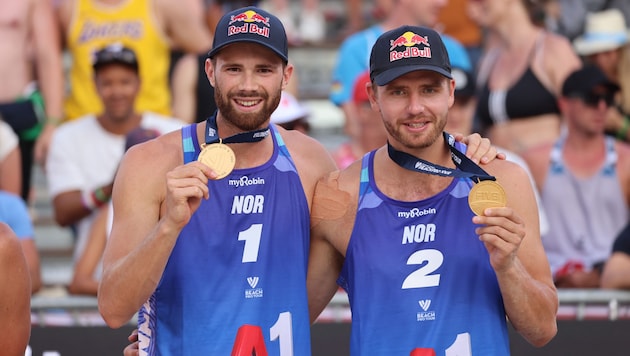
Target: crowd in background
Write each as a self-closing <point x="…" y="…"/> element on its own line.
<point x="81" y="78"/>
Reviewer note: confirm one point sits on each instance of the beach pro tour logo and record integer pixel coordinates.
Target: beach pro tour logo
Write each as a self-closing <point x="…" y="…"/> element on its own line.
<point x="411" y="43"/>
<point x="249" y="22"/>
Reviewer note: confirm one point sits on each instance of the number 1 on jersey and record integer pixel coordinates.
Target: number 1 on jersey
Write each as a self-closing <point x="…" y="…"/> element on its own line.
<point x="251" y="237"/>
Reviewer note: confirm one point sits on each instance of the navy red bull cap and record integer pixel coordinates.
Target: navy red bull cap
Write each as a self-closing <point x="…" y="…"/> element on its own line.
<point x="251" y="24"/>
<point x="407" y="49"/>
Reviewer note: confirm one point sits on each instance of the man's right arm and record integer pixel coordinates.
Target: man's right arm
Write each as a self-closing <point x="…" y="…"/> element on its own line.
<point x="151" y="206"/>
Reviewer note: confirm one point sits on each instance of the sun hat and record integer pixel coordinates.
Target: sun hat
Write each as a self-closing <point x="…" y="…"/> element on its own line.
<point x="604" y="31"/>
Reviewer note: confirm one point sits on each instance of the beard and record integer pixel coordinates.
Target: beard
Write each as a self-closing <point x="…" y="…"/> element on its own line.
<point x="246" y="121"/>
<point x="415" y="141"/>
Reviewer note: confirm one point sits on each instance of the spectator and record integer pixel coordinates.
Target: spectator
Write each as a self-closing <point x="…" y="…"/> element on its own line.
<point x="14" y="213"/>
<point x="32" y="79"/>
<point x="10" y="164"/>
<point x="605" y="44"/>
<point x="291" y="114"/>
<point x="85" y="153"/>
<point x="615" y="273"/>
<point x="573" y="14"/>
<point x="584" y="181"/>
<point x="353" y="55"/>
<point x="88" y="267"/>
<point x="460" y="120"/>
<point x="520" y="75"/>
<point x="150" y="28"/>
<point x="396" y="230"/>
<point x="15" y="296"/>
<point x="455" y="21"/>
<point x="370" y="131"/>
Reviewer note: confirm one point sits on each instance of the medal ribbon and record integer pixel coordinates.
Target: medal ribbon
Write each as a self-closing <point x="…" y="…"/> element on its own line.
<point x="212" y="134"/>
<point x="467" y="168"/>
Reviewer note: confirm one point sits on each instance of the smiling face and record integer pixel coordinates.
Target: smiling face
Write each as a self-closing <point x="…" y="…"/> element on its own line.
<point x="117" y="86"/>
<point x="414" y="107"/>
<point x="248" y="80"/>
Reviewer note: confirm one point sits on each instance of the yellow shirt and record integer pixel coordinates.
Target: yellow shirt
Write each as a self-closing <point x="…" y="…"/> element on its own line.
<point x="132" y="24"/>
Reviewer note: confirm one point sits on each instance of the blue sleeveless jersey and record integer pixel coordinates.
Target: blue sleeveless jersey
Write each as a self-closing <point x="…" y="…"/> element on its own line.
<point x="242" y="259"/>
<point x="417" y="276"/>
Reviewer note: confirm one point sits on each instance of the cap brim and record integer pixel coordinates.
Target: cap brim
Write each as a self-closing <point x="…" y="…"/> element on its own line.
<point x="388" y="75"/>
<point x="214" y="51"/>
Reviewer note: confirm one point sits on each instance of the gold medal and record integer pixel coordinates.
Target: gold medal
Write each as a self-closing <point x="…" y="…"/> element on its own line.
<point x="486" y="194"/>
<point x="219" y="157"/>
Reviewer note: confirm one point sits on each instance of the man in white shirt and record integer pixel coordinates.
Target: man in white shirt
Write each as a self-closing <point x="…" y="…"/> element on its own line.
<point x="84" y="153"/>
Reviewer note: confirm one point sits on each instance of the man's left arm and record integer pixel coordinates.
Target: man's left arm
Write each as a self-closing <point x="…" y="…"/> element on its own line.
<point x="511" y="235"/>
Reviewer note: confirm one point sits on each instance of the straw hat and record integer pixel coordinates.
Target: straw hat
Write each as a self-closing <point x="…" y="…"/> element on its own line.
<point x="604" y="31"/>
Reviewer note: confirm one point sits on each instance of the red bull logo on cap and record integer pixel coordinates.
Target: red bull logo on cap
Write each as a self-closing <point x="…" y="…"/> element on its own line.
<point x="411" y="41"/>
<point x="250" y="20"/>
<point x="249" y="16"/>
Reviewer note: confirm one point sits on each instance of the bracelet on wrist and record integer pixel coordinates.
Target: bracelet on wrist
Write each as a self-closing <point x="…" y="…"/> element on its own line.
<point x="100" y="197"/>
<point x="87" y="200"/>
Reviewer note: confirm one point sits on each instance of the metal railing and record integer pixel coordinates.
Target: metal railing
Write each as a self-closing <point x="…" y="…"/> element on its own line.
<point x="578" y="304"/>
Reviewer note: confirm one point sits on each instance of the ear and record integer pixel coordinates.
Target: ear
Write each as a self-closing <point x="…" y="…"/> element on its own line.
<point x="209" y="67"/>
<point x="286" y="75"/>
<point x="372" y="95"/>
<point x="451" y="90"/>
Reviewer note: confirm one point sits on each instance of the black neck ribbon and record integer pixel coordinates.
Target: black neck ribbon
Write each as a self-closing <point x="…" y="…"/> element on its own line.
<point x="466" y="167"/>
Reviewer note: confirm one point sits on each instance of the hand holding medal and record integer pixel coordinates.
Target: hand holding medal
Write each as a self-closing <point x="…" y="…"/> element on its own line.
<point x="217" y="155"/>
<point x="486" y="194"/>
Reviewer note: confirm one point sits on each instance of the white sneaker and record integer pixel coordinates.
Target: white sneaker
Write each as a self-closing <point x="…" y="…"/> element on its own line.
<point x="312" y="26"/>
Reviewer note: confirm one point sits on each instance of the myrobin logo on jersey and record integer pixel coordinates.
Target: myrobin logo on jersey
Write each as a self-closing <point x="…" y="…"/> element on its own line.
<point x="245" y="181"/>
<point x="416" y="213"/>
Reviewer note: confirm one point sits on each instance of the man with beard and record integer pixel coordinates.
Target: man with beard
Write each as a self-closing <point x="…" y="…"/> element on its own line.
<point x="396" y="231"/>
<point x="201" y="249"/>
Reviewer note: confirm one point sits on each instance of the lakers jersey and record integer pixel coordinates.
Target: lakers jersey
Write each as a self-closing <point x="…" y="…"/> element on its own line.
<point x="242" y="259"/>
<point x="131" y="23"/>
<point x="417" y="276"/>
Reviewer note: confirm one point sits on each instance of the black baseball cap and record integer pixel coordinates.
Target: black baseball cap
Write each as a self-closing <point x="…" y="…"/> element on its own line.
<point x="251" y="24"/>
<point x="581" y="82"/>
<point x="115" y="54"/>
<point x="407" y="49"/>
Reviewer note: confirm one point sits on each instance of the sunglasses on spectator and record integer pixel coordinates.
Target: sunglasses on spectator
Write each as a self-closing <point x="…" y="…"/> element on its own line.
<point x="593" y="99"/>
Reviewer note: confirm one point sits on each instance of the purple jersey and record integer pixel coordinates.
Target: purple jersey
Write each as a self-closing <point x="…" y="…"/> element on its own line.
<point x="417" y="276"/>
<point x="242" y="259"/>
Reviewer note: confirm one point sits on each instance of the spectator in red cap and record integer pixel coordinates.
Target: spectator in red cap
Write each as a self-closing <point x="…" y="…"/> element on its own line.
<point x="370" y="131"/>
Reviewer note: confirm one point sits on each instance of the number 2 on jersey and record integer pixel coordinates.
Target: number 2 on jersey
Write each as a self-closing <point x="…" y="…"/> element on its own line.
<point x="422" y="277"/>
